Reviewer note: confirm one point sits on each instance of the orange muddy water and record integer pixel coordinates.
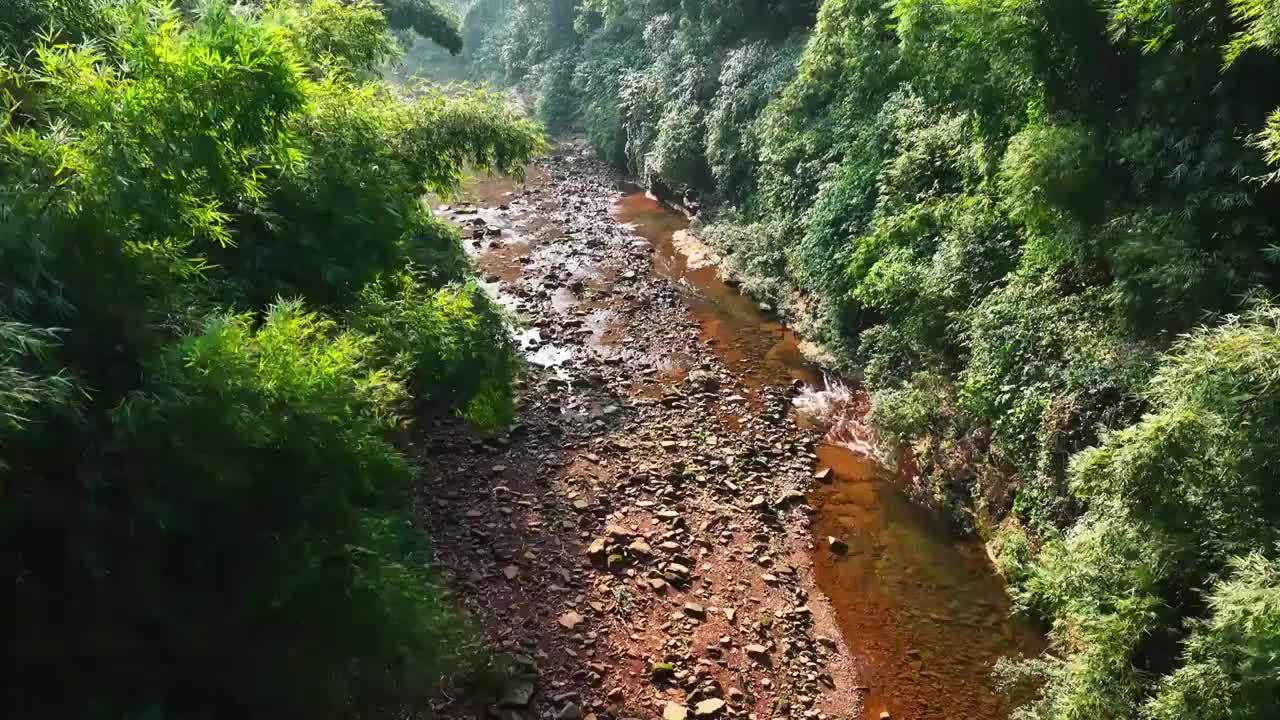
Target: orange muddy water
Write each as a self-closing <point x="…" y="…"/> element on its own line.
<point x="922" y="611"/>
<point x="761" y="348"/>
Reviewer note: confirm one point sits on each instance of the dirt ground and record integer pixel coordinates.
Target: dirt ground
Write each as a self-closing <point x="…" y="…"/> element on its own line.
<point x="641" y="538"/>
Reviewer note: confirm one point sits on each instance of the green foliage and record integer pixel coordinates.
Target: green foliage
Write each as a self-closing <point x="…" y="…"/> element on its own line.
<point x="344" y="36"/>
<point x="903" y="412"/>
<point x="454" y="343"/>
<point x="24" y="389"/>
<point x="604" y="59"/>
<point x="1049" y="182"/>
<point x="192" y="582"/>
<point x="353" y="210"/>
<point x="1104" y="582"/>
<point x="754" y="252"/>
<point x="1174" y="500"/>
<point x="199" y="486"/>
<point x="752" y="75"/>
<point x="428" y="19"/>
<point x="1047" y="370"/>
<point x="822" y="117"/>
<point x="646" y="77"/>
<point x="1231" y="655"/>
<point x="24" y="22"/>
<point x="557" y="105"/>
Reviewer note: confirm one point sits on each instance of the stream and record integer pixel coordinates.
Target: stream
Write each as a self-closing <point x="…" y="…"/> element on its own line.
<point x="922" y="612"/>
<point x="920" y="606"/>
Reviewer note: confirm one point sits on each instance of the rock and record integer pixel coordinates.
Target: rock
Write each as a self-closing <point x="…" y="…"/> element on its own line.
<point x="884" y="715"/>
<point x="694" y="610"/>
<point x="790" y="497"/>
<point x="837" y="545"/>
<point x="571" y="619"/>
<point x="674" y="711"/>
<point x="641" y="548"/>
<point x="570" y="711"/>
<point x="703" y="380"/>
<point x="511" y="572"/>
<point x="823" y="475"/>
<point x="597" y="549"/>
<point x="757" y="652"/>
<point x="708" y="708"/>
<point x="662" y="671"/>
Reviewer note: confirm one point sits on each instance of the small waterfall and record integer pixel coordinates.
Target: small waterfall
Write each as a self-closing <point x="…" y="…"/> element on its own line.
<point x="840" y="410"/>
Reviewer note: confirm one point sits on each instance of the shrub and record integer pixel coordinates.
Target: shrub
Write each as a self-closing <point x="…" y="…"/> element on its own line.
<point x="755" y="252"/>
<point x="557" y="105"/>
<point x="191" y="581"/>
<point x="752" y="76"/>
<point x="353" y="209"/>
<point x="1230" y="656"/>
<point x="454" y="344"/>
<point x="1047" y="370"/>
<point x="199" y="501"/>
<point x="1175" y="500"/>
<point x="605" y="59"/>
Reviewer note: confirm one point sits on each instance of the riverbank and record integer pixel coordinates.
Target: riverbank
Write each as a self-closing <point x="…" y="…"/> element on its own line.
<point x="662" y="532"/>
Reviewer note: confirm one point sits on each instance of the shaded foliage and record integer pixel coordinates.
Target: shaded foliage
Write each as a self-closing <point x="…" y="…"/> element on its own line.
<point x="200" y="489"/>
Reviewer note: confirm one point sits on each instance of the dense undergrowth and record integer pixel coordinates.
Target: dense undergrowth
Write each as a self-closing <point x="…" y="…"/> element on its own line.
<point x="1044" y="233"/>
<point x="221" y="298"/>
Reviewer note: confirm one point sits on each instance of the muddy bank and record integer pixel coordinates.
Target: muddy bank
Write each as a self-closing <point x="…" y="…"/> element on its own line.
<point x="651" y="539"/>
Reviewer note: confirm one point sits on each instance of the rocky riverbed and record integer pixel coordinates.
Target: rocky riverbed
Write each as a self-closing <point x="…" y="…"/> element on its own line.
<point x="643" y="542"/>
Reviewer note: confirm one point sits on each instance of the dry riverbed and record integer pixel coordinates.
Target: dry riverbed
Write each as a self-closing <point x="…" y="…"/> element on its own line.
<point x="646" y="538"/>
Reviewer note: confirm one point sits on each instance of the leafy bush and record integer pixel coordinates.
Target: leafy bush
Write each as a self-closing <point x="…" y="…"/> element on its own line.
<point x="1230" y="656"/>
<point x="22" y="22"/>
<point x="605" y="58"/>
<point x="752" y="75"/>
<point x="557" y="106"/>
<point x="454" y="343"/>
<point x="427" y="18"/>
<point x="200" y="490"/>
<point x="1175" y="500"/>
<point x="239" y="575"/>
<point x="1048" y="370"/>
